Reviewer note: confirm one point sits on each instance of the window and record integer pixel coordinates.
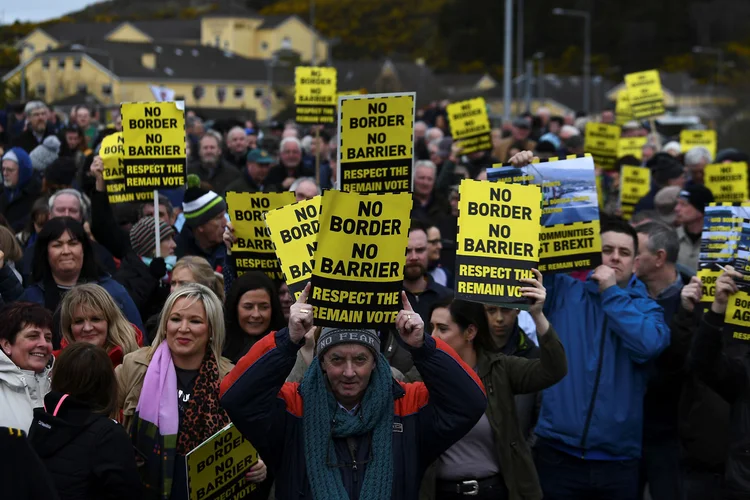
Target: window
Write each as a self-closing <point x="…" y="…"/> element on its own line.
<point x="61" y="63"/>
<point x="239" y="92"/>
<point x="45" y="62"/>
<point x="263" y="45"/>
<point x="221" y="93"/>
<point x="41" y="89"/>
<point x="218" y="41"/>
<point x="226" y="45"/>
<point x="106" y="89"/>
<point x="286" y="43"/>
<point x="77" y="62"/>
<point x="258" y="92"/>
<point x="82" y="88"/>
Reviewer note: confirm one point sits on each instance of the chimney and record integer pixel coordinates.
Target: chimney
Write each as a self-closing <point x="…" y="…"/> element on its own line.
<point x="148" y="60"/>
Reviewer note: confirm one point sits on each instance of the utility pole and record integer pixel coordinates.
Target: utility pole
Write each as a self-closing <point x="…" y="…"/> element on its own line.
<point x="508" y="59"/>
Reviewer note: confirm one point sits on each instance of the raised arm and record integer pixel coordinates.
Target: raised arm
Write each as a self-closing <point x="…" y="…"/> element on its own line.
<point x="104" y="227"/>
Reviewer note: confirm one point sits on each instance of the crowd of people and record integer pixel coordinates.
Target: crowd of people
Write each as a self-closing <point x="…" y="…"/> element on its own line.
<point x="117" y="360"/>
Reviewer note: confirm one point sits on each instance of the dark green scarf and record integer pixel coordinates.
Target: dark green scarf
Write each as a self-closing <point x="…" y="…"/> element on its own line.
<point x="375" y="415"/>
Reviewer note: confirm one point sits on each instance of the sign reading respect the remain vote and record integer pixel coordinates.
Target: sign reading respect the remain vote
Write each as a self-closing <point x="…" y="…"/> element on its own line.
<point x="315" y="94"/>
<point x="602" y="141"/>
<point x="470" y="125"/>
<point x="254" y="249"/>
<point x="645" y="94"/>
<point x="359" y="261"/>
<point x="154" y="135"/>
<point x="376" y="142"/>
<point x="112" y="153"/>
<point x="497" y="242"/>
<point x="294" y="232"/>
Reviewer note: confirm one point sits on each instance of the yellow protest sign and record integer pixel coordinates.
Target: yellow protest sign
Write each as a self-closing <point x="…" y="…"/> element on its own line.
<point x="727" y="181"/>
<point x="738" y="314"/>
<point x="315" y="94"/>
<point x="216" y="468"/>
<point x="635" y="183"/>
<point x="645" y="94"/>
<point x="376" y="142"/>
<point x="690" y="139"/>
<point x="470" y="125"/>
<point x="497" y="242"/>
<point x="631" y="146"/>
<point x="359" y="261"/>
<point x="294" y="232"/>
<point x="623" y="113"/>
<point x="254" y="249"/>
<point x="111" y="153"/>
<point x="154" y="135"/>
<point x="602" y="141"/>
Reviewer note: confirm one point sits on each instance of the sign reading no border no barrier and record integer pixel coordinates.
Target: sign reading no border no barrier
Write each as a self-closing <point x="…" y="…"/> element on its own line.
<point x="645" y="94"/>
<point x="497" y="242"/>
<point x="111" y="153"/>
<point x="470" y="125"/>
<point x="602" y="141"/>
<point x="154" y="135"/>
<point x="315" y="94"/>
<point x="727" y="181"/>
<point x="635" y="183"/>
<point x="359" y="262"/>
<point x="294" y="232"/>
<point x="376" y="142"/>
<point x="254" y="249"/>
<point x="216" y="468"/>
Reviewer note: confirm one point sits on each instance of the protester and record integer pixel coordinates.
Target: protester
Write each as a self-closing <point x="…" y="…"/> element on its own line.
<point x="428" y="206"/>
<point x="420" y="287"/>
<point x="665" y="171"/>
<point x="441" y="275"/>
<point x="25" y="362"/>
<point x="63" y="258"/>
<point x="16" y="460"/>
<point x="20" y="188"/>
<point x="88" y="314"/>
<point x="145" y="276"/>
<point x="493" y="461"/>
<point x="37" y="218"/>
<point x="290" y="165"/>
<point x="88" y="455"/>
<point x="166" y="210"/>
<point x="74" y="145"/>
<point x="728" y="376"/>
<point x="349" y="392"/>
<point x="519" y="133"/>
<point x="665" y="203"/>
<point x="205" y="220"/>
<point x="83" y="120"/>
<point x="210" y="167"/>
<point x="253" y="310"/>
<point x="10" y="254"/>
<point x="305" y="188"/>
<point x="184" y="360"/>
<point x="236" y="151"/>
<point x="194" y="269"/>
<point x="689" y="221"/>
<point x="253" y="178"/>
<point x="36" y="129"/>
<point x="285" y="299"/>
<point x="696" y="160"/>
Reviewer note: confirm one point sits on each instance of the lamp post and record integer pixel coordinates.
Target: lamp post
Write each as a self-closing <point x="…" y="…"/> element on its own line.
<point x="586" y="49"/>
<point x="508" y="59"/>
<point x="314" y="55"/>
<point x="111" y="66"/>
<point x="23" y="70"/>
<point x="520" y="69"/>
<point x="332" y="42"/>
<point x="270" y="64"/>
<point x="719" y="53"/>
<point x="539" y="56"/>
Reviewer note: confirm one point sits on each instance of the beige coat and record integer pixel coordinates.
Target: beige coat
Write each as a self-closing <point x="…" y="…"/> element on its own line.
<point x="130" y="375"/>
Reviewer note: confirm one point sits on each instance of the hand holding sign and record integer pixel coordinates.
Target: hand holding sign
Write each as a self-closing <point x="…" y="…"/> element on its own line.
<point x="409" y="324"/>
<point x="691" y="294"/>
<point x="300" y="317"/>
<point x="725" y="286"/>
<point x="257" y="473"/>
<point x="97" y="170"/>
<point x="521" y="159"/>
<point x="537" y="294"/>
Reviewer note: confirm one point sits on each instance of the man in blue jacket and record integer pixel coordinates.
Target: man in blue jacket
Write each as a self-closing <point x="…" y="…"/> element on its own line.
<point x="590" y="424"/>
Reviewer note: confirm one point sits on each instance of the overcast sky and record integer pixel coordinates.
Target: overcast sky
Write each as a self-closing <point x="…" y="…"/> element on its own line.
<point x="38" y="10"/>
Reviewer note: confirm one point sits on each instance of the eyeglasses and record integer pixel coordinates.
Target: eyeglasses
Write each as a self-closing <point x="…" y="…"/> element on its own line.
<point x="335" y="464"/>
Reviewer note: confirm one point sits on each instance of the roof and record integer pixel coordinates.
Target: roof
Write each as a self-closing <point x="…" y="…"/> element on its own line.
<point x="67" y="32"/>
<point x="175" y="62"/>
<point x="271" y="22"/>
<point x="77" y="99"/>
<point x="170" y="29"/>
<point x="460" y="80"/>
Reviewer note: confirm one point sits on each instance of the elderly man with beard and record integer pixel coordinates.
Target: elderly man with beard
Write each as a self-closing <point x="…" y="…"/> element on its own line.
<point x="36" y="127"/>
<point x="211" y="167"/>
<point x="420" y="287"/>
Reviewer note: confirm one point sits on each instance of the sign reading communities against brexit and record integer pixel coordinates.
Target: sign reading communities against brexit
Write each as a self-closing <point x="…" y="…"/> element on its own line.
<point x="154" y="136"/>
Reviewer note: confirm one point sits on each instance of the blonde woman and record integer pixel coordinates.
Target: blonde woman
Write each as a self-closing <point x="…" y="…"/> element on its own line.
<point x="89" y="314"/>
<point x="193" y="269"/>
<point x="169" y="392"/>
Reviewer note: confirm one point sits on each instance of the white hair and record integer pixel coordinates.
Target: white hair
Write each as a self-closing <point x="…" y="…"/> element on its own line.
<point x="290" y="140"/>
<point x="569" y="131"/>
<point x="433" y="131"/>
<point x="698" y="155"/>
<point x="82" y="201"/>
<point x="672" y="146"/>
<point x="420" y="124"/>
<point x="543" y="111"/>
<point x="297" y="183"/>
<point x="306" y="143"/>
<point x="236" y="129"/>
<point x="426" y="164"/>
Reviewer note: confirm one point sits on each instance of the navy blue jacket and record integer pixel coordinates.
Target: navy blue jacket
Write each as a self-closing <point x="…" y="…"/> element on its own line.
<point x="428" y="417"/>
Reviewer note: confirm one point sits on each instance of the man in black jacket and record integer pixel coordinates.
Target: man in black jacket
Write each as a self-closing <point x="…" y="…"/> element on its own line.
<point x="254" y="177"/>
<point x="211" y="167"/>
<point x="379" y="436"/>
<point x="36" y="128"/>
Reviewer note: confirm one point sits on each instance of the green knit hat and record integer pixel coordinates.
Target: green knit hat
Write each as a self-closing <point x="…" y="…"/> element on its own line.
<point x="200" y="205"/>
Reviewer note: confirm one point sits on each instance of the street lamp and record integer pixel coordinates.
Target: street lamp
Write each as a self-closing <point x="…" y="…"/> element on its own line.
<point x="82" y="48"/>
<point x="332" y="42"/>
<point x="508" y="59"/>
<point x="719" y="53"/>
<point x="539" y="56"/>
<point x="586" y="49"/>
